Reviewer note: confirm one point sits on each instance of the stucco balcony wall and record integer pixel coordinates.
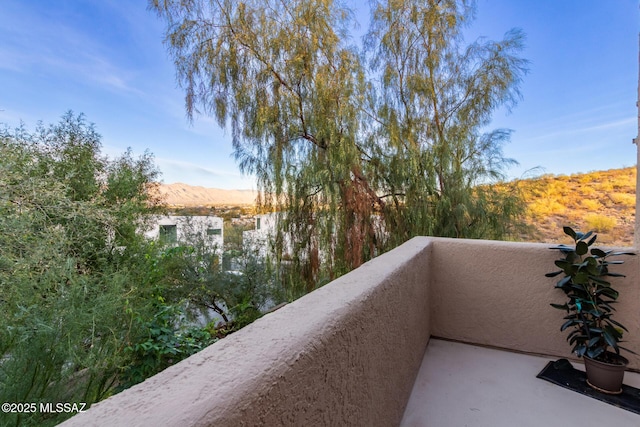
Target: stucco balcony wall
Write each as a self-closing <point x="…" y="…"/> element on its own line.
<point x="495" y="293"/>
<point x="346" y="354"/>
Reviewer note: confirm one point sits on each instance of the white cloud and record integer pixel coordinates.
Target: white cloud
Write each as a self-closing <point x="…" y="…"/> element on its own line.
<point x="570" y="130"/>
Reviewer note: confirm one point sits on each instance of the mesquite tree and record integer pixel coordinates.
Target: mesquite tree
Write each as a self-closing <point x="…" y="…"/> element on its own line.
<point x="359" y="149"/>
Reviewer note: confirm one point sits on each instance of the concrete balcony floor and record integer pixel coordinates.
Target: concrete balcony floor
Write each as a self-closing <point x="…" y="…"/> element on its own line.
<point x="464" y="385"/>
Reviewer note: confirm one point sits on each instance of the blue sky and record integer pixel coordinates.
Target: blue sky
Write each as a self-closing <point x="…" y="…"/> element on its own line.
<point x="105" y="58"/>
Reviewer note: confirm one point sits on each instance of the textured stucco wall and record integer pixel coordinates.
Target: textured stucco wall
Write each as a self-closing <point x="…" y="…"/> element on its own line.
<point x="495" y="293"/>
<point x="346" y="354"/>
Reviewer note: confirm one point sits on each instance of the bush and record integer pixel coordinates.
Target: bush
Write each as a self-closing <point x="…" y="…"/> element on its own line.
<point x="65" y="286"/>
<point x="623" y="199"/>
<point x="600" y="223"/>
<point x="590" y="204"/>
<point x="166" y="340"/>
<point x="88" y="306"/>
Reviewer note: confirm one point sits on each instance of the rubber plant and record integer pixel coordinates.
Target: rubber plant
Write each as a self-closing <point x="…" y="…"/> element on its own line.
<point x="591" y="297"/>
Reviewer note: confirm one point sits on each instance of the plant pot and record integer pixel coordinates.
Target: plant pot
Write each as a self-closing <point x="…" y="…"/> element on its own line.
<point x="606" y="377"/>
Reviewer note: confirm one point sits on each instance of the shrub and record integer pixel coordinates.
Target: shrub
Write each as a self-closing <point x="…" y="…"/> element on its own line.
<point x="590" y="204"/>
<point x="600" y="223"/>
<point x="624" y="199"/>
<point x="166" y="340"/>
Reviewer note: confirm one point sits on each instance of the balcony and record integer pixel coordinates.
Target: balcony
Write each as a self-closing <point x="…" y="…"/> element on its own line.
<point x="350" y="352"/>
<point x="465" y="385"/>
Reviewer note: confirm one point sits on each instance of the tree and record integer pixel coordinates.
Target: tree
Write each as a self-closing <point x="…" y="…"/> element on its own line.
<point x="434" y="99"/>
<point x="67" y="297"/>
<point x="356" y="159"/>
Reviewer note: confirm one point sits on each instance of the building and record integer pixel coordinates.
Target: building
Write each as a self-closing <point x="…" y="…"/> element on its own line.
<point x="174" y="229"/>
<point x="259" y="240"/>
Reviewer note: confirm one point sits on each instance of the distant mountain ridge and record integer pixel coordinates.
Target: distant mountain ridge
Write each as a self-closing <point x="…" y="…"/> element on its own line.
<point x="179" y="194"/>
<point x="601" y="200"/>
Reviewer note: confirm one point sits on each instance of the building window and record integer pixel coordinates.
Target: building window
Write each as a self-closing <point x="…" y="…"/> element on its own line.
<point x="214" y="232"/>
<point x="169" y="233"/>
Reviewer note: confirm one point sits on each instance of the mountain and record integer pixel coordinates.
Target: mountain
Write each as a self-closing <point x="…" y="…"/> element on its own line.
<point x="603" y="201"/>
<point x="180" y="194"/>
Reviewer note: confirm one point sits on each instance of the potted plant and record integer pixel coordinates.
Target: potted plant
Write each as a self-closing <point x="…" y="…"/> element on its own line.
<point x="593" y="333"/>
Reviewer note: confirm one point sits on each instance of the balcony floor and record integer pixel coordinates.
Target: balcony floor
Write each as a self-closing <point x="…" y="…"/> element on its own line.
<point x="464" y="385"/>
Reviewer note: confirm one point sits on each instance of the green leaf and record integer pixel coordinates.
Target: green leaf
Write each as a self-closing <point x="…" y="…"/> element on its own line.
<point x="566" y="324"/>
<point x="609" y="338"/>
<point x="598" y="252"/>
<point x="581" y="278"/>
<point x="582" y="248"/>
<point x="599" y="281"/>
<point x="617" y="324"/>
<point x="614" y="274"/>
<point x="626" y="349"/>
<point x="595" y="352"/>
<point x="563" y="248"/>
<point x="623" y="253"/>
<point x="569" y="232"/>
<point x="576" y="338"/>
<point x="593" y="341"/>
<point x="563" y="281"/>
<point x="611" y="293"/>
<point x="580" y="349"/>
<point x="579" y="305"/>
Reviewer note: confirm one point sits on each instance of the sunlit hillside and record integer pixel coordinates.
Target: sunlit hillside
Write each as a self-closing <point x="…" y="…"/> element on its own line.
<point x="184" y="195"/>
<point x="603" y="201"/>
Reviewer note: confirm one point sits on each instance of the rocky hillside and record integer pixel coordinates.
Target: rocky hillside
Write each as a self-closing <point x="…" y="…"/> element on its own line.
<point x="603" y="201"/>
<point x="183" y="195"/>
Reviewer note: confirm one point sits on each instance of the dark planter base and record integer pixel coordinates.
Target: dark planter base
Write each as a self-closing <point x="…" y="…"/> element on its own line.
<point x="606" y="377"/>
<point x="563" y="374"/>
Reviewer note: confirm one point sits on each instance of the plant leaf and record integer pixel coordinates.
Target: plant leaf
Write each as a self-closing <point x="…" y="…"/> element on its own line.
<point x="618" y="324"/>
<point x="609" y="338"/>
<point x="568" y="323"/>
<point x="582" y="248"/>
<point x="569" y="232"/>
<point x="623" y="253"/>
<point x="563" y="281"/>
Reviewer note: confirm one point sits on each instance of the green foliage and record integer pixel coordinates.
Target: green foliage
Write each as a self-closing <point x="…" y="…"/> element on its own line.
<point x="591" y="297"/>
<point x="88" y="306"/>
<point x="64" y="284"/>
<point x="233" y="235"/>
<point x="236" y="296"/>
<point x="165" y="342"/>
<point x="359" y="150"/>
